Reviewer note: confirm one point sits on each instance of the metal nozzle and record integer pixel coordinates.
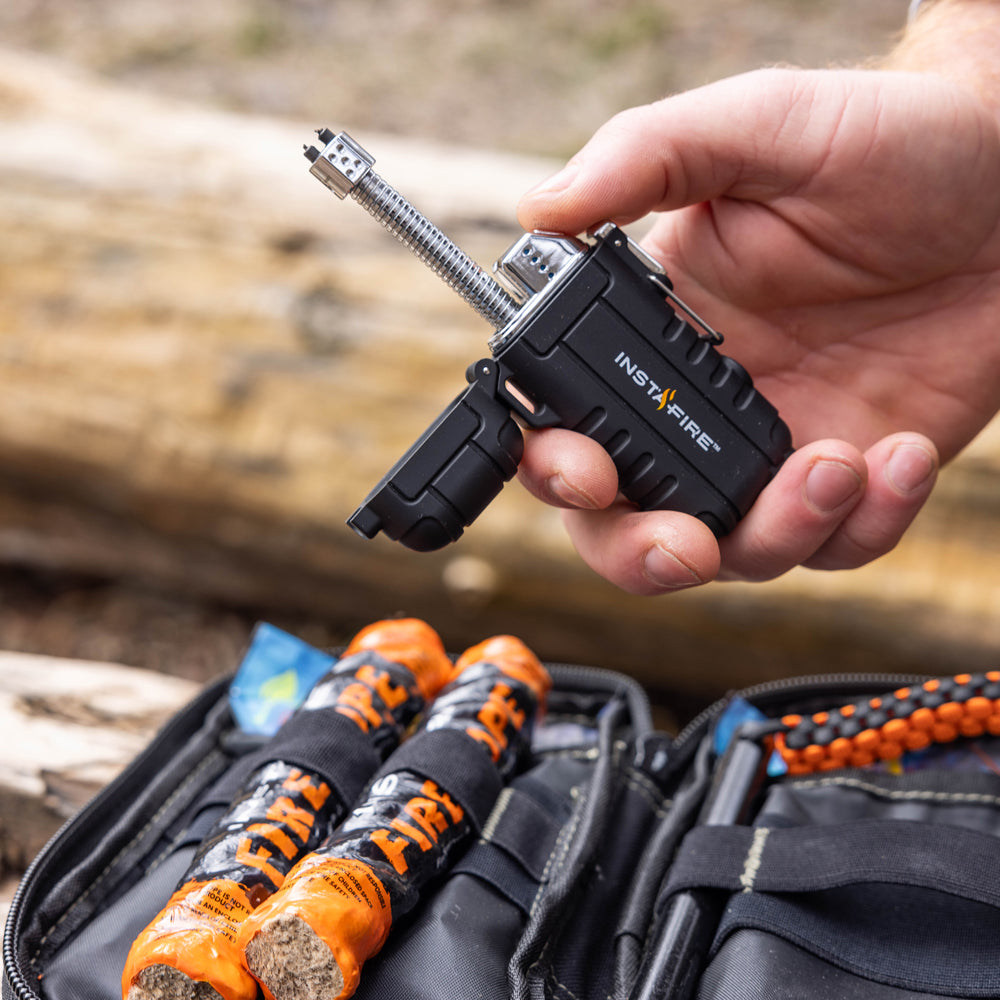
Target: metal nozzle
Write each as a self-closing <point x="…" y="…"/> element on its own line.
<point x="341" y="165"/>
<point x="535" y="260"/>
<point x="345" y="168"/>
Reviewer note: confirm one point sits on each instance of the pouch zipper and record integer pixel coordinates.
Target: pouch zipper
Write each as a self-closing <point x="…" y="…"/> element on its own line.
<point x="603" y="679"/>
<point x="768" y="692"/>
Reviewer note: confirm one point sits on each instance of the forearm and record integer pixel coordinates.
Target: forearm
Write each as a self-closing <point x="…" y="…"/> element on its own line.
<point x="956" y="39"/>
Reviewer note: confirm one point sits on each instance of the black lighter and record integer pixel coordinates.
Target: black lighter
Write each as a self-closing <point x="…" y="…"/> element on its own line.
<point x="590" y="336"/>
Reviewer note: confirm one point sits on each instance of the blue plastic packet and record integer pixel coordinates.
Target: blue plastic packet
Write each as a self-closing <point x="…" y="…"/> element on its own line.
<point x="276" y="673"/>
<point x="738" y="711"/>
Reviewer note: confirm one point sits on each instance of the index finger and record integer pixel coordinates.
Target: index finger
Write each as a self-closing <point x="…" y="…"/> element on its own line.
<point x="752" y="136"/>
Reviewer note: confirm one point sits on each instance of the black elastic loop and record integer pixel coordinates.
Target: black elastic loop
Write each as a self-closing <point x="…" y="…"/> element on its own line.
<point x="955" y="860"/>
<point x="321" y="742"/>
<point x="457" y="763"/>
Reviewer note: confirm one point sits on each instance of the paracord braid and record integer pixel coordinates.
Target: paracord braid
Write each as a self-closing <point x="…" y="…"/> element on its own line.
<point x="884" y="728"/>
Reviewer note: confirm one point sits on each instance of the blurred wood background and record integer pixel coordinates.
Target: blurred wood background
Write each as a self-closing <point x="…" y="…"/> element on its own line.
<point x="83" y="721"/>
<point x="206" y="360"/>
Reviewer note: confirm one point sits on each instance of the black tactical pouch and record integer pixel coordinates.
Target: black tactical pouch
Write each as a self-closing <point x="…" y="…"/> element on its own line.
<point x="619" y="862"/>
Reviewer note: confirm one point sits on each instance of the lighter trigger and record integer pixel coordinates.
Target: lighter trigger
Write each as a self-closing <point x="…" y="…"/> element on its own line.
<point x="492" y="377"/>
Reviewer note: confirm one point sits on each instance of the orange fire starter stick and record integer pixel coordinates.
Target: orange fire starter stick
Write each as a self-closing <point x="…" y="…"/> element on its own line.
<point x="294" y="792"/>
<point x="310" y="939"/>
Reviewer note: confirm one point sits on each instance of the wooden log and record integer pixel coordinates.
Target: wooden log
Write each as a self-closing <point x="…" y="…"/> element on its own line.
<point x="69" y="727"/>
<point x="207" y="360"/>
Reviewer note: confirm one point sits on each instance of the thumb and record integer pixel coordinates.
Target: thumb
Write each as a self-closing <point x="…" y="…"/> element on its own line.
<point x="753" y="136"/>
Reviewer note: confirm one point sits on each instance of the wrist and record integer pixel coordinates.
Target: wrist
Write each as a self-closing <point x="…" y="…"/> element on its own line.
<point x="955" y="39"/>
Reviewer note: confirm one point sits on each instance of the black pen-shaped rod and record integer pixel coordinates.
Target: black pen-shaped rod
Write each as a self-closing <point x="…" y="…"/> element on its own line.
<point x="672" y="969"/>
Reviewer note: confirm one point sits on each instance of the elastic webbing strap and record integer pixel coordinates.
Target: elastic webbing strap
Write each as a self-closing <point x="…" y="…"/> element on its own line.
<point x="514" y="849"/>
<point x="954" y="860"/>
<point x="455" y="762"/>
<point x="321" y="742"/>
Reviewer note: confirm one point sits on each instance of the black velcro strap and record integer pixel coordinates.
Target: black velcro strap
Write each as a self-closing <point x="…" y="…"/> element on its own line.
<point x="455" y="762"/>
<point x="514" y="848"/>
<point x="523" y="829"/>
<point x="954" y="860"/>
<point x="500" y="871"/>
<point x="322" y="742"/>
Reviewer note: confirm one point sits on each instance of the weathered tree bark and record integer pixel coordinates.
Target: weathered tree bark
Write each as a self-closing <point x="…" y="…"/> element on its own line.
<point x="68" y="728"/>
<point x="206" y="361"/>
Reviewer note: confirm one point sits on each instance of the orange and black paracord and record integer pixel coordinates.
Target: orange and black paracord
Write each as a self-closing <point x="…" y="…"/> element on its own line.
<point x="884" y="728"/>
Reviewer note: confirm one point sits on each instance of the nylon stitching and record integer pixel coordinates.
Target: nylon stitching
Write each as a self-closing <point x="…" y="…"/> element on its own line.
<point x="978" y="798"/>
<point x="559" y="986"/>
<point x="755" y="855"/>
<point x="125" y="849"/>
<point x="496" y="814"/>
<point x="559" y="851"/>
<point x="573" y="753"/>
<point x="641" y="784"/>
<point x="648" y="790"/>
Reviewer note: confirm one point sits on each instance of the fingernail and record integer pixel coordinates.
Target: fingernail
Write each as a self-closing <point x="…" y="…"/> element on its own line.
<point x="564" y="493"/>
<point x="909" y="467"/>
<point x="830" y="484"/>
<point x="558" y="182"/>
<point x="664" y="570"/>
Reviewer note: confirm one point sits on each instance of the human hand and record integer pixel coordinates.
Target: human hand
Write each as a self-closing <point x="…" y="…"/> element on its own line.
<point x="842" y="228"/>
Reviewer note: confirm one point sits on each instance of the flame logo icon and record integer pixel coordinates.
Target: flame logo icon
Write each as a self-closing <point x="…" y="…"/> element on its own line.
<point x="668" y="394"/>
